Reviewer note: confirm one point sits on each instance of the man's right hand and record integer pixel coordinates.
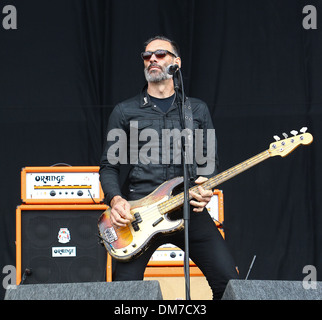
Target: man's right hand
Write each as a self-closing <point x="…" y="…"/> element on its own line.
<point x="120" y="212"/>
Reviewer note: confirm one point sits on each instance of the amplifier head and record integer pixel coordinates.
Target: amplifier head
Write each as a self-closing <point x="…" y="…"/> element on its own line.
<point x="46" y="185"/>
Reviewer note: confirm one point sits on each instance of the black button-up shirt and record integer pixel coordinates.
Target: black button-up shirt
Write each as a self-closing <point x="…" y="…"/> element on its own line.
<point x="140" y="145"/>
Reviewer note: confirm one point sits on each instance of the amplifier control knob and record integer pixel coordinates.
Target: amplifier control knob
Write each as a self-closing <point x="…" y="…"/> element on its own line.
<point x="80" y="193"/>
<point x="172" y="254"/>
<point x="52" y="193"/>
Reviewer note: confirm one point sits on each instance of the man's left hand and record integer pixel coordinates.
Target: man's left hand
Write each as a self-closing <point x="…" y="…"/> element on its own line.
<point x="200" y="200"/>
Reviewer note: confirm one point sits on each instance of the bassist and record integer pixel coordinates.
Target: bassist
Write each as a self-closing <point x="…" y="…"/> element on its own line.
<point x="156" y="108"/>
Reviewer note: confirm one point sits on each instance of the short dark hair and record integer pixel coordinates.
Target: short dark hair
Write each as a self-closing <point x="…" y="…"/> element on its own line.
<point x="174" y="45"/>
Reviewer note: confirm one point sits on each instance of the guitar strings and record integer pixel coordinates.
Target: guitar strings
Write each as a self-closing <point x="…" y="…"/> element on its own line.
<point x="177" y="201"/>
<point x="214" y="181"/>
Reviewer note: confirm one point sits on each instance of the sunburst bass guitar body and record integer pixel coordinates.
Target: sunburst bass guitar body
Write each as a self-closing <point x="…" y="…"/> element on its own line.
<point x="152" y="217"/>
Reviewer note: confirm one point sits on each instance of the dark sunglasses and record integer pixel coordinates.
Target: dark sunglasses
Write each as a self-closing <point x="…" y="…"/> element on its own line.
<point x="158" y="53"/>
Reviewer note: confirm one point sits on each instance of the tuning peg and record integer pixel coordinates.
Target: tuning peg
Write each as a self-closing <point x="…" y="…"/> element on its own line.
<point x="285" y="135"/>
<point x="303" y="130"/>
<point x="277" y="138"/>
<point x="294" y="132"/>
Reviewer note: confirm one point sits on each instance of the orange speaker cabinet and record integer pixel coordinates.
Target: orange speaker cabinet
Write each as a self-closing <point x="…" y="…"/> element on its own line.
<point x="59" y="244"/>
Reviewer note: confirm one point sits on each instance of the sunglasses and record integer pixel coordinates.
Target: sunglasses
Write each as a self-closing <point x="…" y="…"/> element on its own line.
<point x="158" y="53"/>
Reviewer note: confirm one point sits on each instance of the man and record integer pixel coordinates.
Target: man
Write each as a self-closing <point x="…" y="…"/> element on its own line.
<point x="157" y="108"/>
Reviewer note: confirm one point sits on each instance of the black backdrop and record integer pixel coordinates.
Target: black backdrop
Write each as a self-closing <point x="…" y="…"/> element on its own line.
<point x="70" y="61"/>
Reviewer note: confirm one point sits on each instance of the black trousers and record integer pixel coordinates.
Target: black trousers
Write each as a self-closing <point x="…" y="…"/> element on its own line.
<point x="208" y="250"/>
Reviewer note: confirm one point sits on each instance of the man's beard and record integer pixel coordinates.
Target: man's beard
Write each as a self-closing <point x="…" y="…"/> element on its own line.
<point x="156" y="76"/>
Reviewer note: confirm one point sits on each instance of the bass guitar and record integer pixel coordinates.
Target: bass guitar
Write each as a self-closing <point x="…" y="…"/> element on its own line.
<point x="157" y="213"/>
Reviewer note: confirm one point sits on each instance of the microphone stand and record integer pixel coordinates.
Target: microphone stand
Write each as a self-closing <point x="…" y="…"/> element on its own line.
<point x="186" y="205"/>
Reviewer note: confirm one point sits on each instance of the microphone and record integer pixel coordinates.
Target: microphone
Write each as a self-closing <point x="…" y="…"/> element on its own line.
<point x="172" y="69"/>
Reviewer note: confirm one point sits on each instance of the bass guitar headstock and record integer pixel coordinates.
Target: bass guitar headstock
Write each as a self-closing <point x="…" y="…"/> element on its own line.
<point x="284" y="147"/>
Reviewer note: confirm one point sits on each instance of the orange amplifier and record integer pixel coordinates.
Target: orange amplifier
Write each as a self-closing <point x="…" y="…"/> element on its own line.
<point x="170" y="256"/>
<point x="60" y="185"/>
<point x="59" y="243"/>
